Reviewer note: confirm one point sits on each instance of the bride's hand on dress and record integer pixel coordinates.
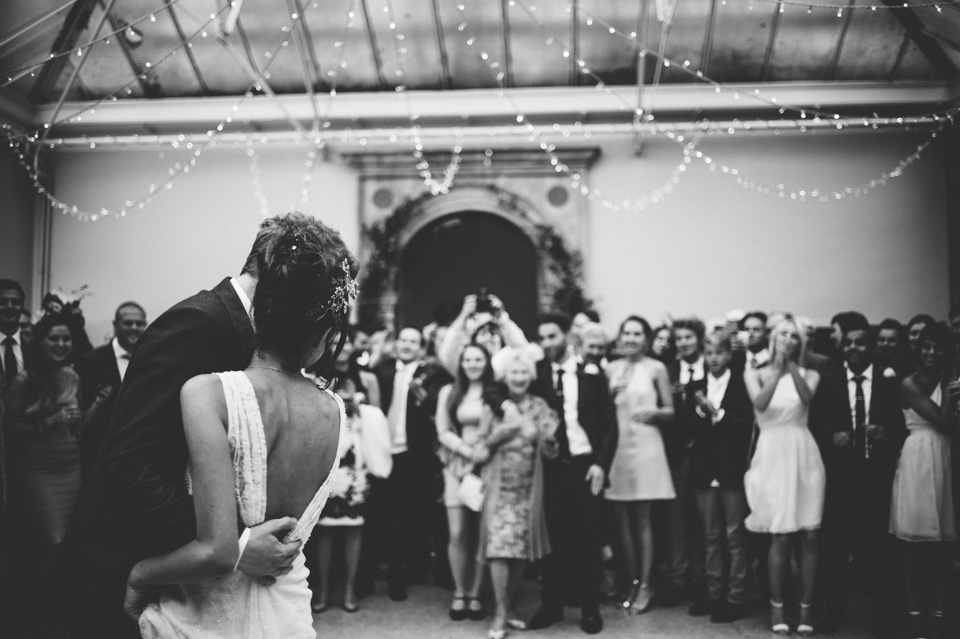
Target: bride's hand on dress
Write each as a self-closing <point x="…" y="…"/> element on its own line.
<point x="265" y="556"/>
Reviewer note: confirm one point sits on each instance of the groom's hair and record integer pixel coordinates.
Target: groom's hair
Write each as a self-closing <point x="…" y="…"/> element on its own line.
<point x="299" y="265"/>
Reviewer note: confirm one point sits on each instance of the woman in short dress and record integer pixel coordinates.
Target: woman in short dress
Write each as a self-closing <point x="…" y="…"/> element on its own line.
<point x="514" y="530"/>
<point x="364" y="452"/>
<point x="786" y="479"/>
<point x="42" y="423"/>
<point x="921" y="512"/>
<point x="640" y="473"/>
<point x="459" y="406"/>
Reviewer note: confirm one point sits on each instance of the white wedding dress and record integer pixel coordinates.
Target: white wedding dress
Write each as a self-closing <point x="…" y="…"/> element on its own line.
<point x="235" y="606"/>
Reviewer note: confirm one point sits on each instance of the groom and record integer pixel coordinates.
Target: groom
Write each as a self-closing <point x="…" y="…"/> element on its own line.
<point x="135" y="503"/>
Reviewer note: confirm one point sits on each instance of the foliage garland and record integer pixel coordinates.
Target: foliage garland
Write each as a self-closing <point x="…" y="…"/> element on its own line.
<point x="563" y="267"/>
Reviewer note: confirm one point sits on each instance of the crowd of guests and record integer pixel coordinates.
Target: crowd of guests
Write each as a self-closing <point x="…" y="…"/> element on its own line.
<point x="699" y="462"/>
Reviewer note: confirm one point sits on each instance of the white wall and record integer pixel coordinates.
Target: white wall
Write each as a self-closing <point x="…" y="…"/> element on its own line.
<point x="191" y="236"/>
<point x="713" y="245"/>
<point x="710" y="246"/>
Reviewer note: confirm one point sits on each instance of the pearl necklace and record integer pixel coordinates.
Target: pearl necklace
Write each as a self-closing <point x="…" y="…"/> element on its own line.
<point x="278" y="370"/>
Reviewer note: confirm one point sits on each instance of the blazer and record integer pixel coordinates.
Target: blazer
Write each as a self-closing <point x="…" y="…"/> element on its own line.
<point x="721" y="450"/>
<point x="421" y="428"/>
<point x="831" y="413"/>
<point x="678" y="437"/>
<point x="135" y="503"/>
<point x="96" y="368"/>
<point x="598" y="415"/>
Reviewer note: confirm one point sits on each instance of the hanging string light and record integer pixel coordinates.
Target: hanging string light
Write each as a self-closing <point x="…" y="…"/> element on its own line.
<point x="872" y="7"/>
<point x="13" y="75"/>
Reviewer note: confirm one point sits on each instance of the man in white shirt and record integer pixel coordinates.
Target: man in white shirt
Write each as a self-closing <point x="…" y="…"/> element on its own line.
<point x="101" y="372"/>
<point x="587" y="439"/>
<point x="11" y="346"/>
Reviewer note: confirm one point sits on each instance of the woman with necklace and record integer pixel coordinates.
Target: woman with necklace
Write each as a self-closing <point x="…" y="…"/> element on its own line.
<point x="921" y="512"/>
<point x="459" y="407"/>
<point x="519" y="433"/>
<point x="640" y="472"/>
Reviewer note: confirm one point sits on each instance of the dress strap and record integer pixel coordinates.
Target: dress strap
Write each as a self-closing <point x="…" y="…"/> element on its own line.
<point x="311" y="514"/>
<point x="248" y="446"/>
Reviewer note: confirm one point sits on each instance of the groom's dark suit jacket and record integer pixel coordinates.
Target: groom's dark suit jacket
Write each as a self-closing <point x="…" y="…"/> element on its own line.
<point x="135" y="503"/>
<point x="96" y="368"/>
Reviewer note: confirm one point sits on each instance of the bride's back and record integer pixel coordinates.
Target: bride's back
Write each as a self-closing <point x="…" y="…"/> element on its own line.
<point x="301" y="426"/>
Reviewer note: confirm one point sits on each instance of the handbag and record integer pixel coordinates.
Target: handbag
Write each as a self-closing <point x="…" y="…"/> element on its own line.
<point x="471" y="491"/>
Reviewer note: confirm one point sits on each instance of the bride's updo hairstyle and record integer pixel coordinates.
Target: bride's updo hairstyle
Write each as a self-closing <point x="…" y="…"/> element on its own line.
<point x="305" y="283"/>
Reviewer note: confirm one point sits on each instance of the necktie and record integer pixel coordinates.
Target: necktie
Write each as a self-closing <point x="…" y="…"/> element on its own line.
<point x="754" y="362"/>
<point x="9" y="360"/>
<point x="860" y="416"/>
<point x="564" y="443"/>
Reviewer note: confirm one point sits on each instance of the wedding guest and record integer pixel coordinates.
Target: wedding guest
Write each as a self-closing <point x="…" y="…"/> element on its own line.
<point x="890" y="349"/>
<point x="408" y="389"/>
<point x="661" y="345"/>
<point x="11" y="340"/>
<point x="857" y="421"/>
<point x="60" y="302"/>
<point x="754" y="329"/>
<point x="839" y="323"/>
<point x="101" y="372"/>
<point x="579" y="321"/>
<point x="514" y="529"/>
<point x="921" y="514"/>
<point x="786" y="479"/>
<point x="364" y="450"/>
<point x="41" y="424"/>
<point x="686" y="570"/>
<point x="587" y="438"/>
<point x="640" y="472"/>
<point x="732" y="324"/>
<point x="811" y="360"/>
<point x="459" y="409"/>
<point x="26" y="327"/>
<point x="718" y="461"/>
<point x="493" y="330"/>
<point x="914" y="326"/>
<point x="593" y="345"/>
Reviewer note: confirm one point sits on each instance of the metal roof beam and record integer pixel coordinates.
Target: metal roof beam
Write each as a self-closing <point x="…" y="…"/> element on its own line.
<point x="74" y="25"/>
<point x="446" y="80"/>
<point x="844" y="28"/>
<point x="505" y="55"/>
<point x="374" y="48"/>
<point x="204" y="90"/>
<point x="927" y="45"/>
<point x="134" y="66"/>
<point x="707" y="51"/>
<point x="768" y="54"/>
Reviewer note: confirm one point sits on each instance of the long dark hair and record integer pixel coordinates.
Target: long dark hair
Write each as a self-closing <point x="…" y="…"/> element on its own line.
<point x="462" y="384"/>
<point x="942" y="336"/>
<point x="41" y="381"/>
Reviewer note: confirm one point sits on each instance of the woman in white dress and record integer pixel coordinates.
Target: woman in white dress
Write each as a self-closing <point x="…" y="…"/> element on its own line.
<point x="640" y="472"/>
<point x="786" y="479"/>
<point x="263" y="443"/>
<point x="921" y="511"/>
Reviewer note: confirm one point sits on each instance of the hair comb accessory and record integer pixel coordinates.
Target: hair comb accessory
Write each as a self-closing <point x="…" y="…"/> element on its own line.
<point x="341" y="296"/>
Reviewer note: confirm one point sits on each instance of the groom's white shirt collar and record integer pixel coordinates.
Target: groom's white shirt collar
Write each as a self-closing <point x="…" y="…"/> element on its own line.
<point x="247" y="304"/>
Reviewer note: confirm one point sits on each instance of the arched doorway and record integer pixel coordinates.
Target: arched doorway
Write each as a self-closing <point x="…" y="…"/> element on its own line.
<point x="456" y="255"/>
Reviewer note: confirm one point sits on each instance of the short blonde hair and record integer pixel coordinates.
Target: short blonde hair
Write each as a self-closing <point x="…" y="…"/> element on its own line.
<point x="510" y="355"/>
<point x="593" y="328"/>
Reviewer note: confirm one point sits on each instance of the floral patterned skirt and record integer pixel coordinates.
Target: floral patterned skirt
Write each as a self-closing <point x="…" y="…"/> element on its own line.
<point x="349" y="487"/>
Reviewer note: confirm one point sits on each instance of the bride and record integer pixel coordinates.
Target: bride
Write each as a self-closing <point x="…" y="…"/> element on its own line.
<point x="263" y="443"/>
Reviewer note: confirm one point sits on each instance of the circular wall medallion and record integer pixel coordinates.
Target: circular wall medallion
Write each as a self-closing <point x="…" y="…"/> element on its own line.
<point x="558" y="196"/>
<point x="383" y="198"/>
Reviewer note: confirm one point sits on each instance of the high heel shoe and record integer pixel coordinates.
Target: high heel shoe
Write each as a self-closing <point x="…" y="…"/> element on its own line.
<point x="643" y="601"/>
<point x="805" y="628"/>
<point x="475" y="611"/>
<point x="458" y="609"/>
<point x="631" y="595"/>
<point x="777" y="624"/>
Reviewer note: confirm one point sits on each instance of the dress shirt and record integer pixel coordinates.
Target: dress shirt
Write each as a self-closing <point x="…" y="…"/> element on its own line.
<point x="691" y="372"/>
<point x="397" y="414"/>
<point x="17" y="350"/>
<point x="576" y="436"/>
<point x="759" y="358"/>
<point x="716" y="391"/>
<point x="852" y="394"/>
<point x="246" y="301"/>
<point x="123" y="357"/>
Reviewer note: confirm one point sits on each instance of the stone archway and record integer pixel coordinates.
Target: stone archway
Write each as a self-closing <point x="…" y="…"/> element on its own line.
<point x="559" y="269"/>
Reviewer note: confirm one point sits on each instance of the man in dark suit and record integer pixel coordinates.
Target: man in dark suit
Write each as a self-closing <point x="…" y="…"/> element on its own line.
<point x="408" y="395"/>
<point x="857" y="420"/>
<point x="687" y="549"/>
<point x="101" y="371"/>
<point x="587" y="438"/>
<point x="135" y="503"/>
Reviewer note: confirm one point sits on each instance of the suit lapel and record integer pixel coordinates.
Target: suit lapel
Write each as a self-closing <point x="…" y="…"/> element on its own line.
<point x="238" y="315"/>
<point x="843" y="398"/>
